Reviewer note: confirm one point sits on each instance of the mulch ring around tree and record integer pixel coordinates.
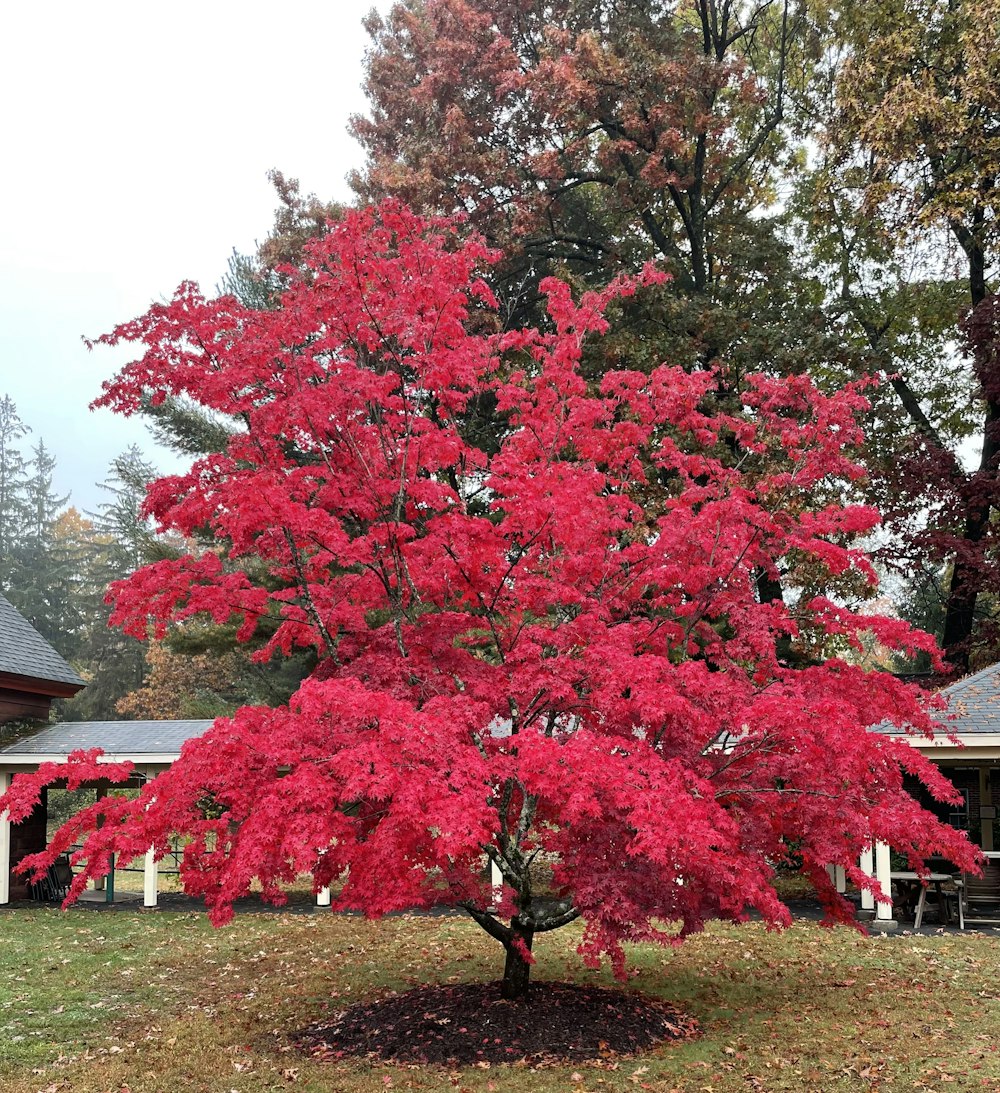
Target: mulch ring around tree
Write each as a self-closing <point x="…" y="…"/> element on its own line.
<point x="471" y="1024"/>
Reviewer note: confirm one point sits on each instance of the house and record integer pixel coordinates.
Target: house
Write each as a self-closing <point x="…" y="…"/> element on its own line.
<point x="32" y="673"/>
<point x="968" y="753"/>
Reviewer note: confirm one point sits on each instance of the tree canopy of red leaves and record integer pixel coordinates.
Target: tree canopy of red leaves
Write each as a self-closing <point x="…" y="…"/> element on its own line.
<point x="554" y="655"/>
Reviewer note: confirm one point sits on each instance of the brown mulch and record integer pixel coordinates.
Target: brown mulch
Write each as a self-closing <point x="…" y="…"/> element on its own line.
<point x="470" y="1023"/>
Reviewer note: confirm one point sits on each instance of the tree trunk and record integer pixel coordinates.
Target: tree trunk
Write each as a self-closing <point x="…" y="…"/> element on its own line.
<point x="966" y="578"/>
<point x="960" y="615"/>
<point x="517" y="969"/>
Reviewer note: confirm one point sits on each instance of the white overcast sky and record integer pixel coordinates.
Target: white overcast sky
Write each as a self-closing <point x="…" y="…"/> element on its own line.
<point x="136" y="141"/>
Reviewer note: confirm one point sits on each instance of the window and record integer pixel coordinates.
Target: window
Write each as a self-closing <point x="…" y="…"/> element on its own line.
<point x="958" y="815"/>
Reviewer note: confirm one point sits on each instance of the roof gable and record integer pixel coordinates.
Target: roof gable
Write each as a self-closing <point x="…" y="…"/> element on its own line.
<point x="24" y="652"/>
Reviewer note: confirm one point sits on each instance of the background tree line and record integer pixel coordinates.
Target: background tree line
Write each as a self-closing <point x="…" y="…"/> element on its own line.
<point x="55" y="567"/>
<point x="56" y="562"/>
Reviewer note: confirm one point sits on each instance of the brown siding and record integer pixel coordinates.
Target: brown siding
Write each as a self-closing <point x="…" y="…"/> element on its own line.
<point x="15" y="704"/>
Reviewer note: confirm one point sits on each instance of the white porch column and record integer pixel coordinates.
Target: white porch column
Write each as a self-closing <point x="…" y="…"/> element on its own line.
<point x="151" y="867"/>
<point x="867" y="864"/>
<point x="150" y="879"/>
<point x="4" y="845"/>
<point x="497" y="879"/>
<point x="322" y="894"/>
<point x="838" y="877"/>
<point x="883" y="911"/>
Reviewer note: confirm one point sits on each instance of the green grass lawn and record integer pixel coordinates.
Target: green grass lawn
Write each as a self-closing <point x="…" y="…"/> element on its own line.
<point x="144" y="1002"/>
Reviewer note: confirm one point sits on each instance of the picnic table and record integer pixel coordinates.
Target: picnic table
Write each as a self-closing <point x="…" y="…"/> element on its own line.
<point x="913" y="881"/>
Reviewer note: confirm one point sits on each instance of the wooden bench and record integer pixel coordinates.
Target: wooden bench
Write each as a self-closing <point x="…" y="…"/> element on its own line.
<point x="979" y="897"/>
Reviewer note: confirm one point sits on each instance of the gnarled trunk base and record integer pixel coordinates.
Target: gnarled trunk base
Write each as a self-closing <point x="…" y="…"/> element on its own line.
<point x="517" y="969"/>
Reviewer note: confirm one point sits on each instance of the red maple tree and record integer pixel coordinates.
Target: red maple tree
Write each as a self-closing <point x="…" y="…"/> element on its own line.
<point x="550" y="656"/>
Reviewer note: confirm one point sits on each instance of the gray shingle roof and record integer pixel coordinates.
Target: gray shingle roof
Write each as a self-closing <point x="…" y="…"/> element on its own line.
<point x="973" y="706"/>
<point x="113" y="737"/>
<point x="24" y="652"/>
<point x="974" y="703"/>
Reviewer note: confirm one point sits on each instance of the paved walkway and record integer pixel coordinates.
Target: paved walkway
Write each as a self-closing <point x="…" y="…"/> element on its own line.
<point x="810" y="910"/>
<point x="301" y="903"/>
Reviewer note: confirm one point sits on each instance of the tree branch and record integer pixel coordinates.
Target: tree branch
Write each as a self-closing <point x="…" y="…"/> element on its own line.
<point x="489" y="923"/>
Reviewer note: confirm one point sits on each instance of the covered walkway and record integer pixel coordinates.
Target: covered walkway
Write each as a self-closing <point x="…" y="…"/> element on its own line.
<point x="150" y="745"/>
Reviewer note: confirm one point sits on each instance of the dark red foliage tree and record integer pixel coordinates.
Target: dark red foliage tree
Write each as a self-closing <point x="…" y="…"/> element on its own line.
<point x="553" y="655"/>
<point x="960" y="532"/>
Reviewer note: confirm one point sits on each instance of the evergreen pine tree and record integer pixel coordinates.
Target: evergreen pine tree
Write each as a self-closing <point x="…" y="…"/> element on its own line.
<point x="44" y="591"/>
<point x="13" y="508"/>
<point x="112" y="543"/>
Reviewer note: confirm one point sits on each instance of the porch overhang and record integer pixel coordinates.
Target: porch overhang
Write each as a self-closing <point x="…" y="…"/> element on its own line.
<point x="972" y="746"/>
